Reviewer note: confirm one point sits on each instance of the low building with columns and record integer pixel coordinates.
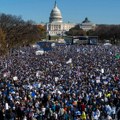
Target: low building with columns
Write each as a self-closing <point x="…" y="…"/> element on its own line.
<point x="87" y="25"/>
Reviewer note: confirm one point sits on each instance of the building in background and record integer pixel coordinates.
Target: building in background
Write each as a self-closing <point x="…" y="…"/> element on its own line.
<point x="56" y="26"/>
<point x="87" y="25"/>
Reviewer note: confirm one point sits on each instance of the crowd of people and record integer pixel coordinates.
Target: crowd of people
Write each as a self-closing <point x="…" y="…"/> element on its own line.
<point x="69" y="82"/>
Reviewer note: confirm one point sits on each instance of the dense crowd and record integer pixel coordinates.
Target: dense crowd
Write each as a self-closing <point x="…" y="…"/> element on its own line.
<point x="67" y="83"/>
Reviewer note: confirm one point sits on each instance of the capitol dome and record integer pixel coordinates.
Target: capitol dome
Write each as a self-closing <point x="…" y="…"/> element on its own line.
<point x="55" y="15"/>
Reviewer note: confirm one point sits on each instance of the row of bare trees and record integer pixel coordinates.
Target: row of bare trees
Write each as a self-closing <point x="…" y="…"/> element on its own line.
<point x="109" y="32"/>
<point x="15" y="32"/>
<point x="76" y="31"/>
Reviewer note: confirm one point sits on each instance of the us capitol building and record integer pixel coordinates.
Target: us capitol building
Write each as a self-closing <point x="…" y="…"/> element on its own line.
<point x="57" y="27"/>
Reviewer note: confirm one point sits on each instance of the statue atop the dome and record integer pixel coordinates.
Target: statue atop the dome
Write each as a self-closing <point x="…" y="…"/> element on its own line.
<point x="55" y="4"/>
<point x="86" y="20"/>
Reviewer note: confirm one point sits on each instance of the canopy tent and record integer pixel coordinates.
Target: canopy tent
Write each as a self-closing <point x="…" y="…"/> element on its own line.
<point x="36" y="46"/>
<point x="39" y="52"/>
<point x="107" y="44"/>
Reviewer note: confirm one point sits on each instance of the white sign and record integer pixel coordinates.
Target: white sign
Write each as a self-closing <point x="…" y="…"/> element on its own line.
<point x="50" y="62"/>
<point x="6" y="106"/>
<point x="56" y="79"/>
<point x="97" y="78"/>
<point x="15" y="78"/>
<point x="5" y="75"/>
<point x="97" y="81"/>
<point x="105" y="82"/>
<point x="78" y="50"/>
<point x="102" y="70"/>
<point x="69" y="61"/>
<point x="22" y="52"/>
<point x="38" y="74"/>
<point x="59" y="92"/>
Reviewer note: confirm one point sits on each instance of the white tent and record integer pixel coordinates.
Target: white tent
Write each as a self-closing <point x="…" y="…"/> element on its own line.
<point x="107" y="44"/>
<point x="53" y="45"/>
<point x="36" y="46"/>
<point x="39" y="52"/>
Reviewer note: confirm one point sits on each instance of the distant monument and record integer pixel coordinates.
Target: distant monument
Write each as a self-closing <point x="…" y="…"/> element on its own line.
<point x="87" y="25"/>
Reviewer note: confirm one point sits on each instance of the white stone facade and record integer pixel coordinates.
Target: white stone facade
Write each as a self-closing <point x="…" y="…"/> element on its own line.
<point x="87" y="25"/>
<point x="56" y="25"/>
<point x="54" y="29"/>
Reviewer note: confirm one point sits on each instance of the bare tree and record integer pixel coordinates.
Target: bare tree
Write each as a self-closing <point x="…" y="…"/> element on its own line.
<point x="3" y="45"/>
<point x="18" y="32"/>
